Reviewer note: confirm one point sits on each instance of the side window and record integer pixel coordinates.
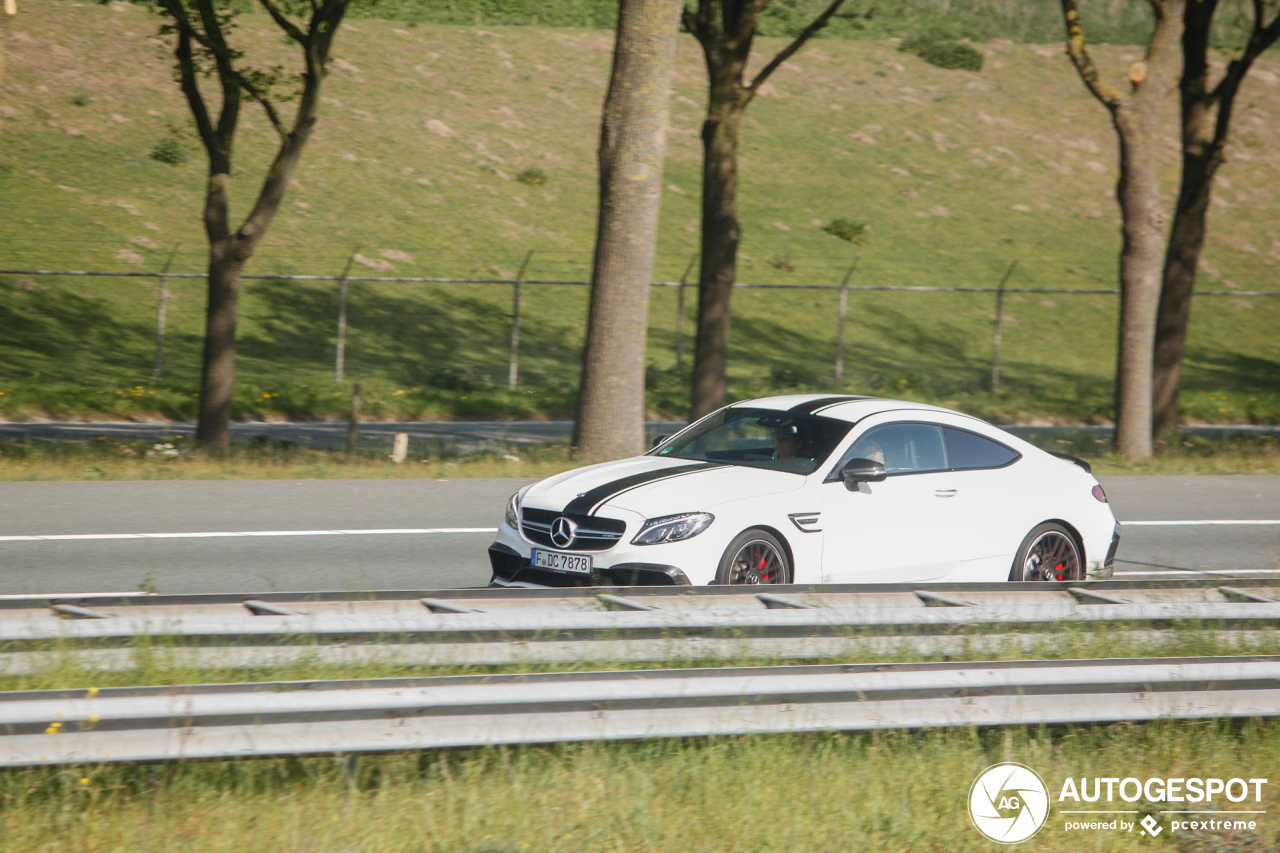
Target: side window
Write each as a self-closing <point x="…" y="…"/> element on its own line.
<point x="966" y="451"/>
<point x="903" y="448"/>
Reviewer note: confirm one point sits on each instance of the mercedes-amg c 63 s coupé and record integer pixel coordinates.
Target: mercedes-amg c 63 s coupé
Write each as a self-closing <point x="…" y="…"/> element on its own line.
<point x="812" y="489"/>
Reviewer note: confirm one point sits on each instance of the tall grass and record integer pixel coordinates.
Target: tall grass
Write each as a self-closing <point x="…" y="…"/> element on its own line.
<point x="174" y="459"/>
<point x="107" y="459"/>
<point x="829" y="792"/>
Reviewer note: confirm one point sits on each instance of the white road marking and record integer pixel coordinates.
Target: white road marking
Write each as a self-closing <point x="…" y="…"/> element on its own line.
<point x="1184" y="572"/>
<point x="1198" y="522"/>
<point x="82" y="537"/>
<point x="394" y="531"/>
<point x="23" y="596"/>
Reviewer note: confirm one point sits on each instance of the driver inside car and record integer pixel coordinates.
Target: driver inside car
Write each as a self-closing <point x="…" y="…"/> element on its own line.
<point x="786" y="443"/>
<point x="869" y="450"/>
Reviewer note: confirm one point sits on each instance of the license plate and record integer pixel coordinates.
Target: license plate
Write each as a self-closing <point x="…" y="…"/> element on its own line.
<point x="556" y="562"/>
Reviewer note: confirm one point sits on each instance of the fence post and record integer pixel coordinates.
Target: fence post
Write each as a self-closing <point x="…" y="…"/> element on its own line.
<point x="680" y="313"/>
<point x="353" y="425"/>
<point x="400" y="447"/>
<point x="340" y="356"/>
<point x="162" y="311"/>
<point x="844" y="310"/>
<point x="513" y="364"/>
<point x="995" y="335"/>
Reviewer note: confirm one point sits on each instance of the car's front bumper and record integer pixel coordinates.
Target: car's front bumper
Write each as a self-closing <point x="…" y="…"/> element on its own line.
<point x="511" y="568"/>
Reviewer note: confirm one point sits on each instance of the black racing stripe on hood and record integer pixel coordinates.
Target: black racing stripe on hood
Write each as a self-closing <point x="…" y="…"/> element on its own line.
<point x="588" y="502"/>
<point x="808" y="408"/>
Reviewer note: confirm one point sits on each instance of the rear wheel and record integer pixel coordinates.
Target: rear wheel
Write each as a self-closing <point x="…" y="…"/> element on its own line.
<point x="1049" y="553"/>
<point x="754" y="557"/>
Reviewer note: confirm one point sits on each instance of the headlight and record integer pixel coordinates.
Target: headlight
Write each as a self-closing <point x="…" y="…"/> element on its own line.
<point x="513" y="512"/>
<point x="673" y="528"/>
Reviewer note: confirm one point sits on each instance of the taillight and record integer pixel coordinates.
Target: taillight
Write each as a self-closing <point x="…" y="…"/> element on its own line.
<point x="1099" y="494"/>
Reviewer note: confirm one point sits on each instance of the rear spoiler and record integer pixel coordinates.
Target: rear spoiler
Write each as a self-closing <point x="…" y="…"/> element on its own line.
<point x="1073" y="459"/>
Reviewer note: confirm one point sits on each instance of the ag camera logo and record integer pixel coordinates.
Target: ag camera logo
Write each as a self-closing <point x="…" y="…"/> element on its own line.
<point x="1008" y="803"/>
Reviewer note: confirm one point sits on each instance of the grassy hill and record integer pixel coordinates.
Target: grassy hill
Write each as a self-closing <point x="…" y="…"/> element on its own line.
<point x="416" y="165"/>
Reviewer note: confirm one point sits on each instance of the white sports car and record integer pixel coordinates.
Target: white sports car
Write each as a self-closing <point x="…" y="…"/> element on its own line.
<point x="812" y="489"/>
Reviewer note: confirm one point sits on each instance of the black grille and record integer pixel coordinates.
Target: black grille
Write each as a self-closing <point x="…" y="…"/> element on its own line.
<point x="594" y="533"/>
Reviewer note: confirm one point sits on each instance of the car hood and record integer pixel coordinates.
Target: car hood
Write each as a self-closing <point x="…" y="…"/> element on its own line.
<point x="652" y="486"/>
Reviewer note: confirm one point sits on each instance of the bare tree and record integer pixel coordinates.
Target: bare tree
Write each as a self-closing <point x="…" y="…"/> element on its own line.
<point x="1206" y="122"/>
<point x="1134" y="116"/>
<point x="725" y="29"/>
<point x="202" y="49"/>
<point x="633" y="142"/>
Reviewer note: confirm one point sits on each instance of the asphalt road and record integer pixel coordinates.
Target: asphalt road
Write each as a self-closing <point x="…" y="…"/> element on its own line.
<point x="278" y="558"/>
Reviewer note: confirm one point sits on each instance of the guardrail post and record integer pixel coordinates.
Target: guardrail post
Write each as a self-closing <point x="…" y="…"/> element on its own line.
<point x="680" y="313"/>
<point x="844" y="310"/>
<point x="353" y="425"/>
<point x="162" y="310"/>
<point x="513" y="365"/>
<point x="995" y="335"/>
<point x="340" y="355"/>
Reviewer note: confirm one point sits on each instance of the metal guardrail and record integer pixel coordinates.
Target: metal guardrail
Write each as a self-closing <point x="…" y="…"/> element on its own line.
<point x="531" y="626"/>
<point x="1191" y="587"/>
<point x="149" y="724"/>
<point x="632" y="624"/>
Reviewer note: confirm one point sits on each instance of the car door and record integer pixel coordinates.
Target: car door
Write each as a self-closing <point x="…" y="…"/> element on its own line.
<point x="988" y="510"/>
<point x="902" y="529"/>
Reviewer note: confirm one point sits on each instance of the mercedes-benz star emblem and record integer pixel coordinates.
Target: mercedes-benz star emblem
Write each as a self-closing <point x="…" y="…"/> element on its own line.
<point x="562" y="532"/>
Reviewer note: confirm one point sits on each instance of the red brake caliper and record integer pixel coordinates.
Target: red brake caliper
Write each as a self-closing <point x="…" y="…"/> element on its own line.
<point x="765" y="576"/>
<point x="1057" y="570"/>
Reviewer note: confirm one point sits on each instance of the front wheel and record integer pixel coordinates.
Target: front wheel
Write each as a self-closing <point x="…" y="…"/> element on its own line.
<point x="1049" y="553"/>
<point x="755" y="556"/>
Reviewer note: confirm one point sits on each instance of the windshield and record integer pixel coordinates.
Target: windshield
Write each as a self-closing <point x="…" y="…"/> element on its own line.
<point x="761" y="438"/>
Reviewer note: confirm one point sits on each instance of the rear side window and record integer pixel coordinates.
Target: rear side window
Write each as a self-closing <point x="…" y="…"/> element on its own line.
<point x="966" y="451"/>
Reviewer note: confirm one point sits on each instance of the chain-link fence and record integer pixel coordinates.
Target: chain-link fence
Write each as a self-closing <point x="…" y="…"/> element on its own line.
<point x="459" y="321"/>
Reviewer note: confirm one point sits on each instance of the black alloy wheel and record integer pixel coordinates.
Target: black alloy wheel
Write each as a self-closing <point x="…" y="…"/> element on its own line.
<point x="1049" y="553"/>
<point x="754" y="557"/>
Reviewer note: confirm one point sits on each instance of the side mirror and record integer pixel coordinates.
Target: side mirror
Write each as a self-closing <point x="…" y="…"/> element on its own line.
<point x="658" y="439"/>
<point x="857" y="471"/>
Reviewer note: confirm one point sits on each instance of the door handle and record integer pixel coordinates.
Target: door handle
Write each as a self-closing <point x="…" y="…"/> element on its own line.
<point x="945" y="493"/>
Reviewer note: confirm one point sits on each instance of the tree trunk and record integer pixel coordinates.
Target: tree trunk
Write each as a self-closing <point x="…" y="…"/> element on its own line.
<point x="228" y="253"/>
<point x="1138" y="193"/>
<point x="1186" y="241"/>
<point x="718" y="270"/>
<point x="1203" y="151"/>
<point x="1135" y="116"/>
<point x="633" y="140"/>
<point x="218" y="376"/>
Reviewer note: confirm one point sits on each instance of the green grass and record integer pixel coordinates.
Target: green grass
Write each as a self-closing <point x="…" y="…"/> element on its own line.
<point x="958" y="174"/>
<point x="888" y="790"/>
<point x="1190" y="454"/>
<point x="1114" y="22"/>
<point x="157" y="660"/>
<point x="109" y="459"/>
<point x="825" y="792"/>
